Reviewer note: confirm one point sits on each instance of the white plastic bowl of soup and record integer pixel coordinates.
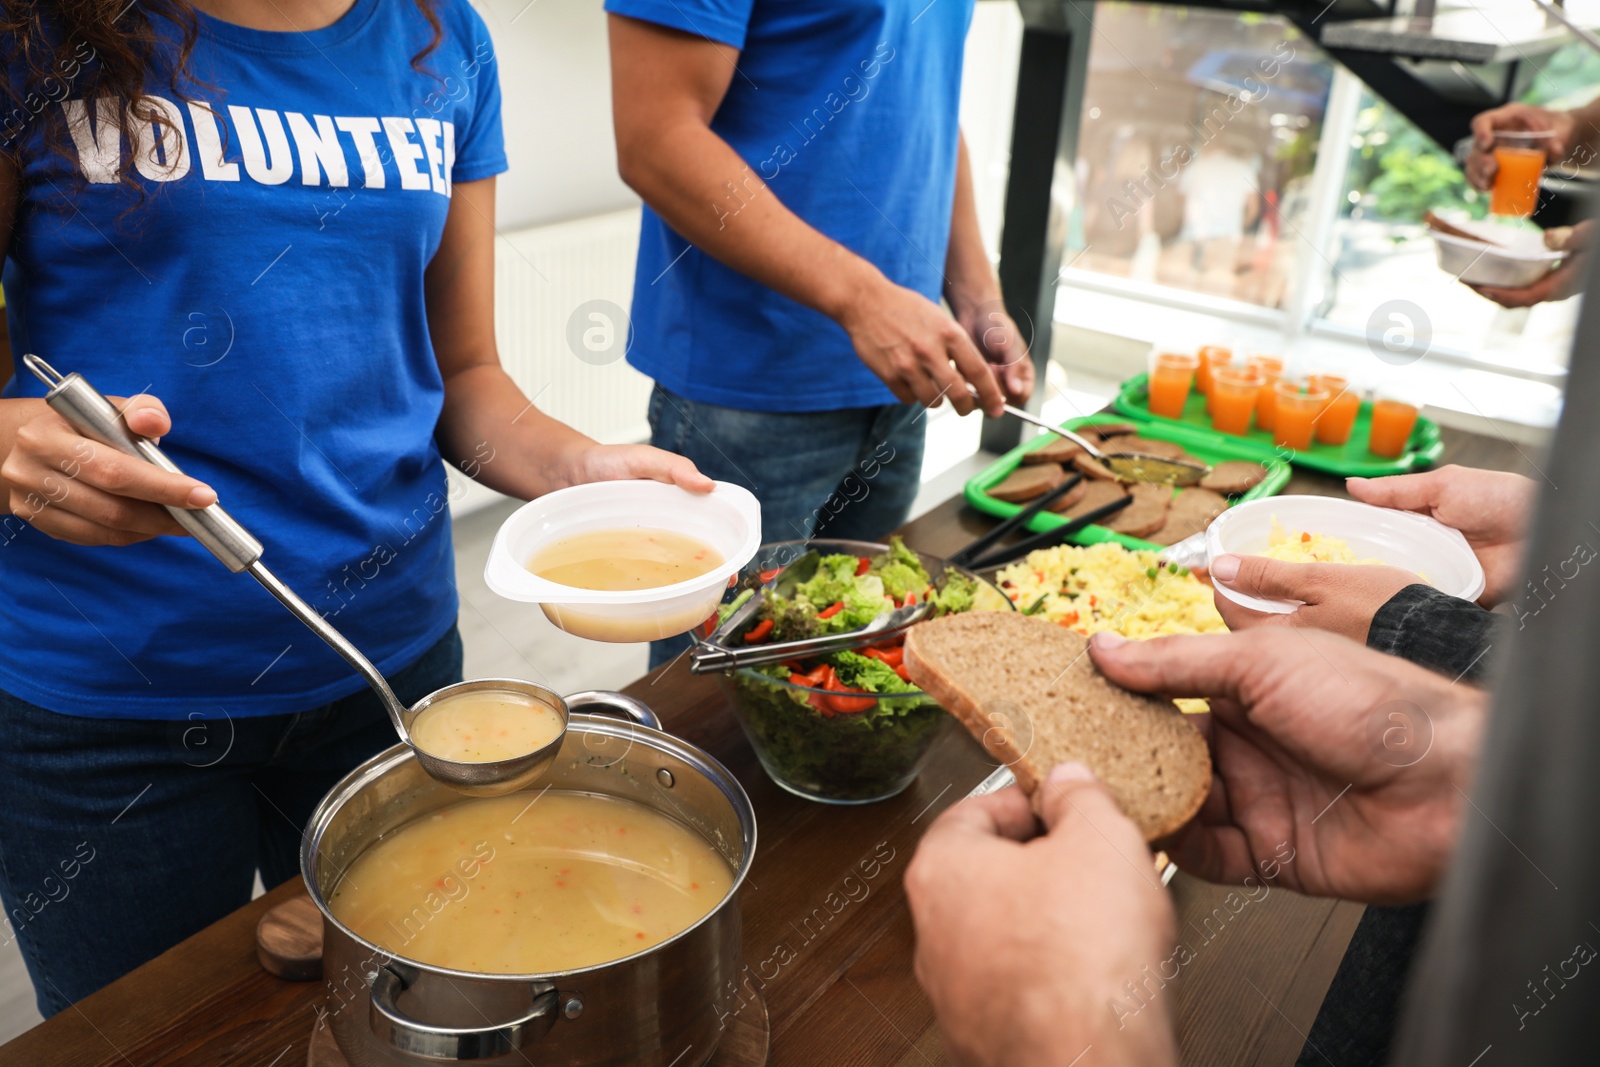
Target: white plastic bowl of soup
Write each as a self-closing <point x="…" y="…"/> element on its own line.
<point x="1426" y="547"/>
<point x="625" y="560"/>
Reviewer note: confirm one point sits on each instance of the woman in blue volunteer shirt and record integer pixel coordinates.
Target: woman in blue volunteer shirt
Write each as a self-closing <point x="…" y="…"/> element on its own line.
<point x="282" y="250"/>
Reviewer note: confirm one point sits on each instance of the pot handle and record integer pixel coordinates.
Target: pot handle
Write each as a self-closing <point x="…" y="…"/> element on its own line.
<point x="604" y="701"/>
<point x="455" y="1043"/>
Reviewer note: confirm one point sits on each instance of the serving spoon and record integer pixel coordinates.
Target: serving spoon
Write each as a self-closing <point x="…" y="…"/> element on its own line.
<point x="85" y="407"/>
<point x="1129" y="466"/>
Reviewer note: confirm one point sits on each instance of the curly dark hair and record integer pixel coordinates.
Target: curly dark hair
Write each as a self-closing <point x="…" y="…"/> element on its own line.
<point x="104" y="48"/>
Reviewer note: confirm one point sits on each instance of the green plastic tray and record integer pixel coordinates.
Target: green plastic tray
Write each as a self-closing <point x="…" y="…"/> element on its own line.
<point x="1194" y="432"/>
<point x="1213" y="450"/>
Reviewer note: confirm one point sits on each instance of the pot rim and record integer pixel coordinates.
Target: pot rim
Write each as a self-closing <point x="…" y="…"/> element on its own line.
<point x="384" y="762"/>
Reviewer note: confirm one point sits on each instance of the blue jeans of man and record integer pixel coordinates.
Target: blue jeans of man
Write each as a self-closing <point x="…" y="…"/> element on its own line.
<point x="851" y="473"/>
<point x="121" y="837"/>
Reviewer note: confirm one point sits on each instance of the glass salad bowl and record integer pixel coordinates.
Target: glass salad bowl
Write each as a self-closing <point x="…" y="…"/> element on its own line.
<point x="845" y="728"/>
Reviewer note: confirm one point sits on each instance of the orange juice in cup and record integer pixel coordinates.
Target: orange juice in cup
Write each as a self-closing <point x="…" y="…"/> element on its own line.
<point x="1393" y="419"/>
<point x="1233" y="397"/>
<point x="1297" y="407"/>
<point x="1209" y="356"/>
<point x="1339" y="413"/>
<point x="1171" y="375"/>
<point x="1271" y="369"/>
<point x="1519" y="158"/>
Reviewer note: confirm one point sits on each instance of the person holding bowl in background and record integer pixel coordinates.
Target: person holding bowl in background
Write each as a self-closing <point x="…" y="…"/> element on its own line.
<point x="301" y="308"/>
<point x="1573" y="141"/>
<point x="808" y="201"/>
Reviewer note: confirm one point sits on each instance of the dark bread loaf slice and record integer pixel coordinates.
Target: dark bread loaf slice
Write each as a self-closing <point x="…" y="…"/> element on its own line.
<point x="1147" y="513"/>
<point x="1234" y="476"/>
<point x="1094" y="495"/>
<point x="1093" y="468"/>
<point x="1192" y="511"/>
<point x="1102" y="430"/>
<point x="1145" y="446"/>
<point x="1059" y="450"/>
<point x="1025" y="483"/>
<point x="1028" y="691"/>
<point x="1070" y="498"/>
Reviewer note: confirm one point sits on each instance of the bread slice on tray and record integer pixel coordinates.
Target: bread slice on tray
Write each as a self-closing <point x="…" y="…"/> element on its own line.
<point x="1025" y="483"/>
<point x="1192" y="511"/>
<point x="1234" y="476"/>
<point x="1094" y="495"/>
<point x="1060" y="450"/>
<point x="1147" y="513"/>
<point x="1028" y="691"/>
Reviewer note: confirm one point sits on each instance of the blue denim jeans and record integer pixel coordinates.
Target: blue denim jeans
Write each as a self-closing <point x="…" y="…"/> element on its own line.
<point x="850" y="473"/>
<point x="121" y="837"/>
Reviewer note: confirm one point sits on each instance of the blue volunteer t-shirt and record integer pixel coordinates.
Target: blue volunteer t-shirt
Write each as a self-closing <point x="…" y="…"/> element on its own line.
<point x="847" y="109"/>
<point x="268" y="287"/>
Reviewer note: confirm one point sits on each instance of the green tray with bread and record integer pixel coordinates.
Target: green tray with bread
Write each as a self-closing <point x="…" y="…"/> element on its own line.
<point x="1269" y="480"/>
<point x="1350" y="459"/>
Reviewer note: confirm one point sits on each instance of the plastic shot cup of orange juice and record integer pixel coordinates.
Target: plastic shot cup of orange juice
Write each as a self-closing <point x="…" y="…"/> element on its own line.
<point x="1209" y="356"/>
<point x="1233" y="397"/>
<point x="1271" y="369"/>
<point x="1171" y="376"/>
<point x="1393" y="418"/>
<point x="1519" y="158"/>
<point x="1297" y="409"/>
<point x="1338" y="414"/>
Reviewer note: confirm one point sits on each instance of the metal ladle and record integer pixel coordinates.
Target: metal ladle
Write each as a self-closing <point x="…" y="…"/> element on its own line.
<point x="85" y="407"/>
<point x="1129" y="466"/>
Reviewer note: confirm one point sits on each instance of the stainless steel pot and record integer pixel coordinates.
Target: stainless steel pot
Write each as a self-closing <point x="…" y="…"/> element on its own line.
<point x="657" y="1008"/>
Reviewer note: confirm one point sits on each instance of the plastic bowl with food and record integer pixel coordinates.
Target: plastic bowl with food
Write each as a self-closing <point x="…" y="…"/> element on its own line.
<point x="847" y="728"/>
<point x="727" y="519"/>
<point x="1508" y="256"/>
<point x="1417" y="543"/>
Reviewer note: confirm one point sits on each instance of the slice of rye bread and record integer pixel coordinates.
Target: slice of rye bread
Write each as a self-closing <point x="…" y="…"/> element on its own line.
<point x="1147" y="513"/>
<point x="1102" y="430"/>
<point x="1095" y="495"/>
<point x="1148" y="446"/>
<point x="1070" y="498"/>
<point x="1234" y="476"/>
<point x="1093" y="468"/>
<point x="1025" y="483"/>
<point x="1059" y="450"/>
<point x="1192" y="511"/>
<point x="1028" y="691"/>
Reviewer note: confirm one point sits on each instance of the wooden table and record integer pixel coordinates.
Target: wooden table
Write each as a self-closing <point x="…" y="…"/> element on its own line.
<point x="837" y="979"/>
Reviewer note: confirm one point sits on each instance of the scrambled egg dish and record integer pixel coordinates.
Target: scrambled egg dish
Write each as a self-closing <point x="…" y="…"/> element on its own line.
<point x="1108" y="587"/>
<point x="1303" y="547"/>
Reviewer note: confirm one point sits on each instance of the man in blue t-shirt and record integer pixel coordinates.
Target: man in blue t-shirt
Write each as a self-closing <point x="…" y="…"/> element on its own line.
<point x="808" y="203"/>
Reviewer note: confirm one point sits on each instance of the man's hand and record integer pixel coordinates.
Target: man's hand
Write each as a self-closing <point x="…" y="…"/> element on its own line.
<point x="1338" y="597"/>
<point x="921" y="353"/>
<point x="1490" y="508"/>
<point x="1566" y="280"/>
<point x="996" y="336"/>
<point x="81" y="491"/>
<point x="1355" y="761"/>
<point x="1023" y="941"/>
<point x="608" y="463"/>
<point x="1481" y="167"/>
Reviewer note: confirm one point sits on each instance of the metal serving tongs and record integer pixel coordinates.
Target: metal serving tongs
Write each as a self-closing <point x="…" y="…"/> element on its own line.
<point x="1129" y="466"/>
<point x="716" y="653"/>
<point x="82" y="404"/>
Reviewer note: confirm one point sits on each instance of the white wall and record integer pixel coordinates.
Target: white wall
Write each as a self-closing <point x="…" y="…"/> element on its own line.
<point x="555" y="78"/>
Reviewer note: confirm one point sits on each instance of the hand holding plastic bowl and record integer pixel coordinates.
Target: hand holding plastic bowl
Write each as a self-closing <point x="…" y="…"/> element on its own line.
<point x="1403" y="539"/>
<point x="728" y="519"/>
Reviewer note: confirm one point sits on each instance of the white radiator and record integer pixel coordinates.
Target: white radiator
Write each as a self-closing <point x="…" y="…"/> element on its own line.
<point x="563" y="348"/>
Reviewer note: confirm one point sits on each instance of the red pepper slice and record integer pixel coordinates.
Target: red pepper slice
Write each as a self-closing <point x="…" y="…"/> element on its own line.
<point x="768" y="575"/>
<point x="900" y="669"/>
<point x="911" y="597"/>
<point x="863" y="565"/>
<point x="893" y="656"/>
<point x="758" y="633"/>
<point x="831" y="610"/>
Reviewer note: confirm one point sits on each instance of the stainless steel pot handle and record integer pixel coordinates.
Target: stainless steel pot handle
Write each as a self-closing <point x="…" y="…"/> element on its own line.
<point x="455" y="1043"/>
<point x="604" y="700"/>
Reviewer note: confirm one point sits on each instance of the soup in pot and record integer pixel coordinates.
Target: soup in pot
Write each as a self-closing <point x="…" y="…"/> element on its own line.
<point x="485" y="726"/>
<point x="624" y="559"/>
<point x="531" y="883"/>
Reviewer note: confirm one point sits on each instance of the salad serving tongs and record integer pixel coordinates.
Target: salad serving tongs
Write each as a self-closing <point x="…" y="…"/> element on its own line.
<point x="720" y="653"/>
